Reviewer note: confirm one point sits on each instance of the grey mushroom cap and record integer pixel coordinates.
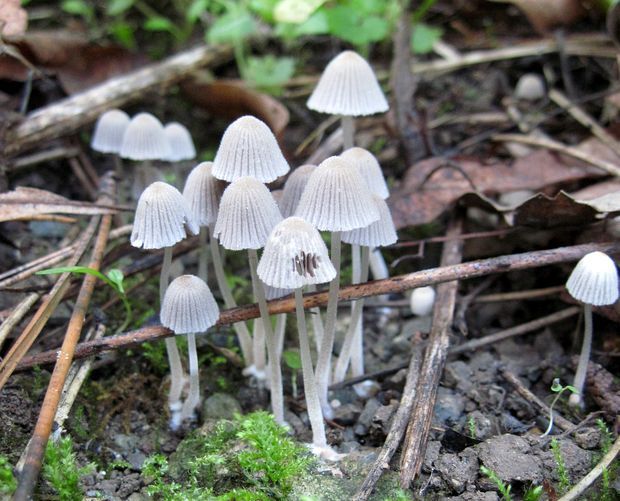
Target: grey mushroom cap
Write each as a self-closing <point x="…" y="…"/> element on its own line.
<point x="377" y="234"/>
<point x="247" y="214"/>
<point x="188" y="306"/>
<point x="203" y="193"/>
<point x="249" y="148"/>
<point x="161" y="218"/>
<point x="336" y="198"/>
<point x="180" y="142"/>
<point x="348" y="86"/>
<point x="293" y="189"/>
<point x="295" y="255"/>
<point x="594" y="280"/>
<point x="109" y="131"/>
<point x="369" y="168"/>
<point x="145" y="139"/>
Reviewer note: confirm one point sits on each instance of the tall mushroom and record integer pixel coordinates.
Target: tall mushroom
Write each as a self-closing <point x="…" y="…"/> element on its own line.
<point x="246" y="216"/>
<point x="108" y="135"/>
<point x="594" y="282"/>
<point x="294" y="256"/>
<point x="189" y="308"/>
<point x="161" y="220"/>
<point x="336" y="199"/>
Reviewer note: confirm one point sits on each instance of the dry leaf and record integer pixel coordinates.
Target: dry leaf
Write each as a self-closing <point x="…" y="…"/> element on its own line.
<point x="232" y="99"/>
<point x="13" y="19"/>
<point x="544" y="15"/>
<point x="543" y="212"/>
<point x="27" y="202"/>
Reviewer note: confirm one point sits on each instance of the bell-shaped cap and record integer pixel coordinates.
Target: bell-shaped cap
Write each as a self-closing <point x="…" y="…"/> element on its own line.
<point x="275" y="293"/>
<point x="377" y="234"/>
<point x="202" y="193"/>
<point x="369" y="168"/>
<point x="145" y="139"/>
<point x="336" y="198"/>
<point x="249" y="148"/>
<point x="247" y="215"/>
<point x="180" y="142"/>
<point x="293" y="188"/>
<point x="422" y="301"/>
<point x="295" y="255"/>
<point x="161" y="218"/>
<point x="109" y="131"/>
<point x="594" y="280"/>
<point x="348" y="86"/>
<point x="188" y="306"/>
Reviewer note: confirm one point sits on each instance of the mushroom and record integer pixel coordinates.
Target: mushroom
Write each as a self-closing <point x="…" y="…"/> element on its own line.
<point x="336" y="199"/>
<point x="294" y="256"/>
<point x="246" y="216"/>
<point x="293" y="189"/>
<point x="377" y="234"/>
<point x="189" y="307"/>
<point x="108" y="135"/>
<point x="161" y="220"/>
<point x="348" y="87"/>
<point x="203" y="192"/>
<point x="180" y="142"/>
<point x="594" y="282"/>
<point x="422" y="301"/>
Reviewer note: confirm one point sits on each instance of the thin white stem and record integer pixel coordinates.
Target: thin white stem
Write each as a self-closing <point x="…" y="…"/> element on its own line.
<point x="582" y="368"/>
<point x="193" y="397"/>
<point x="280" y="331"/>
<point x="348" y="131"/>
<point x="258" y="348"/>
<point x="310" y="388"/>
<point x="277" y="393"/>
<point x="317" y="322"/>
<point x="323" y="364"/>
<point x="357" y="350"/>
<point x="203" y="254"/>
<point x="174" y="359"/>
<point x="353" y="335"/>
<point x="241" y="329"/>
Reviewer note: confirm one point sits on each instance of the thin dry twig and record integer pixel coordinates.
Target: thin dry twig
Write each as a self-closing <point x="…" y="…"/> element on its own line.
<point x="16" y="315"/>
<point x="432" y="368"/>
<point x="400" y="283"/>
<point x="43" y="427"/>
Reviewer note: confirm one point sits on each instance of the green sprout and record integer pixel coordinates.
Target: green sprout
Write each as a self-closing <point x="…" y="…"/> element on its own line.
<point x="557" y="388"/>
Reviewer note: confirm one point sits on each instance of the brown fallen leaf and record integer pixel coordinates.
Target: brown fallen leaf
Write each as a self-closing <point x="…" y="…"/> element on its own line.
<point x="544" y="15"/>
<point x="232" y="99"/>
<point x="26" y="202"/>
<point x="13" y="18"/>
<point x="542" y="212"/>
<point x="415" y="203"/>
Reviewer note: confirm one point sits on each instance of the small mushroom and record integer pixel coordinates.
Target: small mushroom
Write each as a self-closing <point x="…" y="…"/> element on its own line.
<point x="180" y="142"/>
<point x="189" y="308"/>
<point x="594" y="282"/>
<point x="108" y="136"/>
<point x="293" y="189"/>
<point x="422" y="301"/>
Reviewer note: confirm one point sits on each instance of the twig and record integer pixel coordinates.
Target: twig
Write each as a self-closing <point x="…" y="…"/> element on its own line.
<point x="562" y="422"/>
<point x="397" y="429"/>
<point x="597" y="471"/>
<point x="519" y="295"/>
<point x="434" y="360"/>
<point x="68" y="115"/>
<point x="560" y="147"/>
<point x="584" y="119"/>
<point x="43" y="427"/>
<point x="400" y="283"/>
<point x="16" y="315"/>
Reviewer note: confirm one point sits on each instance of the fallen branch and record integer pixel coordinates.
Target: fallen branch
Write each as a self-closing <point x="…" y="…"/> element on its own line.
<point x="401" y="283"/>
<point x="70" y="114"/>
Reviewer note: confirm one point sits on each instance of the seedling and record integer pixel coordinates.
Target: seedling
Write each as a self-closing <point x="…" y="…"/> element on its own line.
<point x="533" y="493"/>
<point x="557" y="388"/>
<point x="293" y="362"/>
<point x="471" y="426"/>
<point x="114" y="278"/>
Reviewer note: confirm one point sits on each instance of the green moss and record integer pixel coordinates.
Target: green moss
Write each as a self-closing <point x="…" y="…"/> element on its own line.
<point x="7" y="480"/>
<point x="60" y="469"/>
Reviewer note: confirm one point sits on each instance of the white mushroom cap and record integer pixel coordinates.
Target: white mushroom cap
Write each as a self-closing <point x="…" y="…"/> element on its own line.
<point x="188" y="306"/>
<point x="161" y="217"/>
<point x="530" y="87"/>
<point x="370" y="169"/>
<point x="275" y="293"/>
<point x="180" y="142"/>
<point x="377" y="234"/>
<point x="145" y="139"/>
<point x="202" y="193"/>
<point x="422" y="301"/>
<point x="348" y="86"/>
<point x="293" y="188"/>
<point x="249" y="148"/>
<point x="594" y="280"/>
<point x="336" y="198"/>
<point x="247" y="215"/>
<point x="109" y="130"/>
<point x="295" y="255"/>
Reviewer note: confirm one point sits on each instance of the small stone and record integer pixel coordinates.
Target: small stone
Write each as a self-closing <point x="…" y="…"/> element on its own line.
<point x="383" y="417"/>
<point x="457" y="470"/>
<point x="588" y="438"/>
<point x="431" y="456"/>
<point x="458" y="375"/>
<point x="136" y="459"/>
<point x="220" y="406"/>
<point x="129" y="484"/>
<point x="483" y="426"/>
<point x="448" y="406"/>
<point x="511" y="458"/>
<point x="366" y="417"/>
<point x="397" y="380"/>
<point x="577" y="461"/>
<point x="347" y="414"/>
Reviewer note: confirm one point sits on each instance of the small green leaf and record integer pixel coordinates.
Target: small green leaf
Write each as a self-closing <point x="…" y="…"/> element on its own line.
<point x="116" y="276"/>
<point x="572" y="389"/>
<point x="292" y="359"/>
<point x="116" y="7"/>
<point x="264" y="8"/>
<point x="349" y="25"/>
<point x="196" y="9"/>
<point x="295" y="11"/>
<point x="159" y="23"/>
<point x="123" y="32"/>
<point x="269" y="72"/>
<point x="424" y="38"/>
<point x="234" y="26"/>
<point x="556" y="386"/>
<point x="79" y="8"/>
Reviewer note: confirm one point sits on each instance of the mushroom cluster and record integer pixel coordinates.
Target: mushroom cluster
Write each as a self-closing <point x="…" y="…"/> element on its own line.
<point x="228" y="204"/>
